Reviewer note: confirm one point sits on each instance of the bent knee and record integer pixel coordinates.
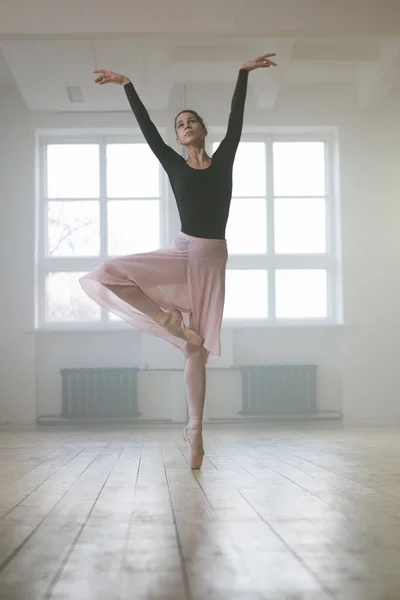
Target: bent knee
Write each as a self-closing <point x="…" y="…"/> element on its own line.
<point x="111" y="276"/>
<point x="110" y="269"/>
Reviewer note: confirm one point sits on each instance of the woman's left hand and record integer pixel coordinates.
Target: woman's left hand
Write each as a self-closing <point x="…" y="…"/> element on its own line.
<point x="260" y="63"/>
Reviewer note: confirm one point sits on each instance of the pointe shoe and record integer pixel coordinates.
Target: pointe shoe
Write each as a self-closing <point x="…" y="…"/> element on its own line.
<point x="173" y="322"/>
<point x="195" y="454"/>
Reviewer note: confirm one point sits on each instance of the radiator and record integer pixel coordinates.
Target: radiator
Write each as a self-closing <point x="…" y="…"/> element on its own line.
<point x="279" y="390"/>
<point x="113" y="392"/>
<point x="99" y="393"/>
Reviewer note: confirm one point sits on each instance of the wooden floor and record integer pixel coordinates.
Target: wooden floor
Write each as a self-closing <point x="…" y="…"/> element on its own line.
<point x="301" y="513"/>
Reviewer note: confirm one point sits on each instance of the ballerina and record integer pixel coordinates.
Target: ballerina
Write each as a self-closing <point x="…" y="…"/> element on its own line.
<point x="152" y="290"/>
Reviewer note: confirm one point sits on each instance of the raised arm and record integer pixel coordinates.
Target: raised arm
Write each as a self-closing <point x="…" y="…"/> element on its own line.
<point x="235" y="122"/>
<point x="164" y="153"/>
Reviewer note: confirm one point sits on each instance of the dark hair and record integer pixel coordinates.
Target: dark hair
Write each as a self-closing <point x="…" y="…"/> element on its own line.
<point x="193" y="112"/>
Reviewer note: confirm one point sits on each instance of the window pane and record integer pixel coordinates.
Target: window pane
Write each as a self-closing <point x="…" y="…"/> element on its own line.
<point x="301" y="293"/>
<point x="132" y="171"/>
<point x="246" y="231"/>
<point x="249" y="172"/>
<point x="66" y="301"/>
<point x="246" y="294"/>
<point x="73" y="171"/>
<point x="300" y="225"/>
<point x="73" y="228"/>
<point x="299" y="168"/>
<point x="133" y="226"/>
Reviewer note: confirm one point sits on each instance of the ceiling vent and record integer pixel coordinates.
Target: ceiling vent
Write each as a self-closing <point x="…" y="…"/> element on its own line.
<point x="74" y="93"/>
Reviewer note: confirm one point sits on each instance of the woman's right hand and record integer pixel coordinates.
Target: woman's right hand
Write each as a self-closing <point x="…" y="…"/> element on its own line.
<point x="110" y="77"/>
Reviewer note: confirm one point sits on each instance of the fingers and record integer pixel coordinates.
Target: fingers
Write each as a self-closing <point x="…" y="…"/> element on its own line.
<point x="266" y="62"/>
<point x="264" y="56"/>
<point x="103" y="73"/>
<point x="104" y="77"/>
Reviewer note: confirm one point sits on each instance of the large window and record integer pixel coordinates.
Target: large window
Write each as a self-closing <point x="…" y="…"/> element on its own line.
<point x="102" y="197"/>
<point x="283" y="259"/>
<point x="99" y="198"/>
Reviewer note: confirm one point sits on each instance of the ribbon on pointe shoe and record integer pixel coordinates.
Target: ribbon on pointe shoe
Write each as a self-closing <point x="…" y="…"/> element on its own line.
<point x="196" y="453"/>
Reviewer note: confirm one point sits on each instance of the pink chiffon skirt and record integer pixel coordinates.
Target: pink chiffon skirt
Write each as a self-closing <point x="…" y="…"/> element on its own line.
<point x="189" y="276"/>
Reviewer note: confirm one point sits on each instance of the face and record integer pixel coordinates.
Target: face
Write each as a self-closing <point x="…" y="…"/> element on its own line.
<point x="189" y="131"/>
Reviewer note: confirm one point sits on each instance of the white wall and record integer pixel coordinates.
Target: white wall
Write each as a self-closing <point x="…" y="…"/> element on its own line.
<point x="371" y="221"/>
<point x="358" y="362"/>
<point x="17" y="358"/>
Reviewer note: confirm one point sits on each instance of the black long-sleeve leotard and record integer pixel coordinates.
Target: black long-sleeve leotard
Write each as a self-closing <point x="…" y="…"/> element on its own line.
<point x="203" y="196"/>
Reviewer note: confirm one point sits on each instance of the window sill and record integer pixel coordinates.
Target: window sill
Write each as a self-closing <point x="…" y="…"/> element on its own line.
<point x="225" y="326"/>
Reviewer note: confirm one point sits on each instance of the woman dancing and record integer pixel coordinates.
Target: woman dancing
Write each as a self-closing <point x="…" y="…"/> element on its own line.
<point x="151" y="290"/>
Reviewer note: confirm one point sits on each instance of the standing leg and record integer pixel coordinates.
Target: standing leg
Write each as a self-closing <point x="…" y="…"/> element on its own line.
<point x="171" y="320"/>
<point x="195" y="385"/>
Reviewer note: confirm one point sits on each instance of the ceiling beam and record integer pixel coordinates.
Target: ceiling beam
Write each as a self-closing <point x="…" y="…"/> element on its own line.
<point x="267" y="83"/>
<point x="378" y="78"/>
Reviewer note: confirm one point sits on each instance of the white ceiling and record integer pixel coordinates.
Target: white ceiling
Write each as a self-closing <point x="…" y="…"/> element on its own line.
<point x="47" y="46"/>
<point x="250" y="17"/>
